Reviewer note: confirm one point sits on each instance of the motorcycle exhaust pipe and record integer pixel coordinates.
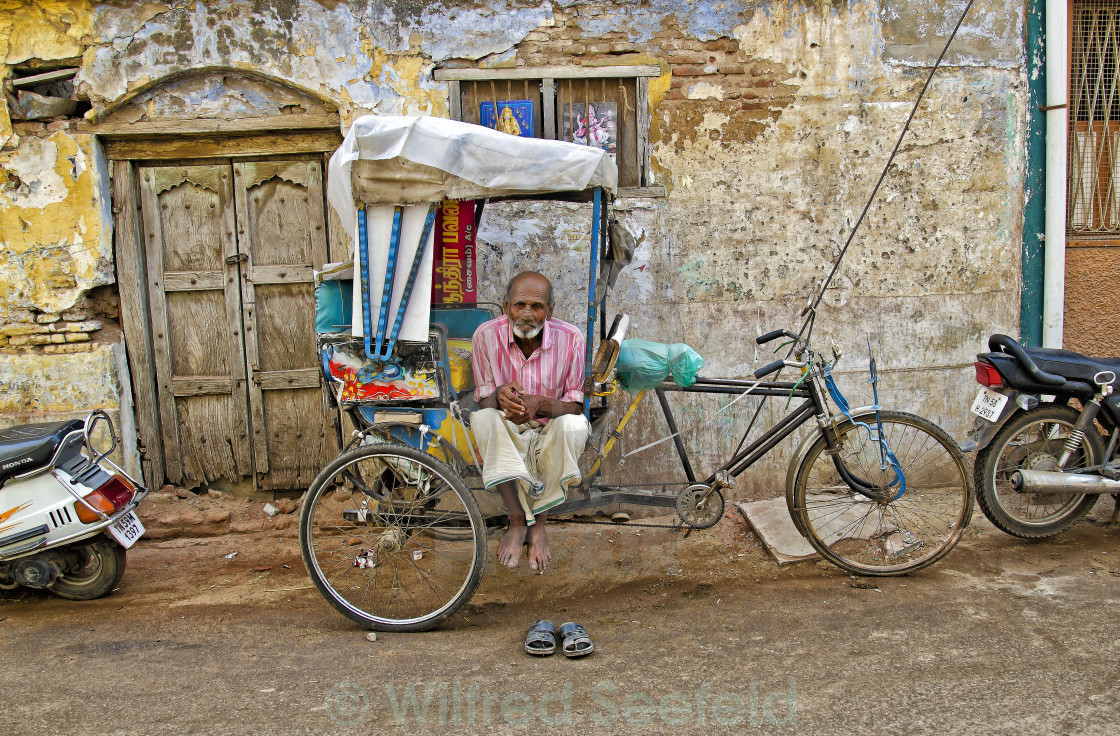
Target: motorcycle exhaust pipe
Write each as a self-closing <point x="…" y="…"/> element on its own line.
<point x="1044" y="481"/>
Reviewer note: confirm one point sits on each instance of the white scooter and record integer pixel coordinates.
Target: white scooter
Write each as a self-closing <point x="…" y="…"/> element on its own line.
<point x="66" y="510"/>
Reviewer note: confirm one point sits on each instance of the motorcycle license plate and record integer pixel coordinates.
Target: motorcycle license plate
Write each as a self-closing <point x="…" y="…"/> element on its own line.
<point x="989" y="404"/>
<point x="127" y="529"/>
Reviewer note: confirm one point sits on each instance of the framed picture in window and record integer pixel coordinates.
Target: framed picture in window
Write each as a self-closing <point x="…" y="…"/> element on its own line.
<point x="591" y="124"/>
<point x="510" y="116"/>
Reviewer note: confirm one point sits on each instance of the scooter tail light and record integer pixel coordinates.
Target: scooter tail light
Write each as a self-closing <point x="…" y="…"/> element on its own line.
<point x="109" y="498"/>
<point x="987" y="375"/>
<point x="117" y="490"/>
<point x="99" y="502"/>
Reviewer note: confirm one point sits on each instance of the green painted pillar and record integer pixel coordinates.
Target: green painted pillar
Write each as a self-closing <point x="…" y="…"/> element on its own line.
<point x="1034" y="179"/>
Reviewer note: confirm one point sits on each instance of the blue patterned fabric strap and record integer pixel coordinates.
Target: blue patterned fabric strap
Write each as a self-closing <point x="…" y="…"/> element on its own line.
<point x="390" y="276"/>
<point x="886" y="455"/>
<point x="413" y="272"/>
<point x="363" y="262"/>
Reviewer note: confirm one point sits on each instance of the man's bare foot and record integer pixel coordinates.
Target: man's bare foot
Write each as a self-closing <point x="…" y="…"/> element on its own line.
<point x="509" y="549"/>
<point x="539" y="553"/>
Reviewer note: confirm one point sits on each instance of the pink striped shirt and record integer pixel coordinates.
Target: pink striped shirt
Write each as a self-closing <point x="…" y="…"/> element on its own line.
<point x="555" y="369"/>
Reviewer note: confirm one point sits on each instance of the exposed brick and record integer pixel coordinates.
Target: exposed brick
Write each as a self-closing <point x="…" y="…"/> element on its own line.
<point x="577" y="48"/>
<point x="731" y="69"/>
<point x="47" y="317"/>
<point x="11" y="330"/>
<point x="722" y="44"/>
<point x="74" y="315"/>
<point x="689" y="70"/>
<point x="757" y="71"/>
<point x="82" y="347"/>
<point x="622" y="47"/>
<point x="674" y="94"/>
<point x="56" y="338"/>
<point x="598" y="48"/>
<point x="18" y="340"/>
<point x="21" y="315"/>
<point x="74" y="336"/>
<point x="688" y="57"/>
<point x="536" y="36"/>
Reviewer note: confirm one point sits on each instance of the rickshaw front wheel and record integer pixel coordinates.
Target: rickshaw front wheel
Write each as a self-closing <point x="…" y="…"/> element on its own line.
<point x="884" y="536"/>
<point x="392" y="538"/>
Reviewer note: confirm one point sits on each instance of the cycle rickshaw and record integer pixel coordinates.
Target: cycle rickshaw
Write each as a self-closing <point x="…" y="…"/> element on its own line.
<point x="391" y="531"/>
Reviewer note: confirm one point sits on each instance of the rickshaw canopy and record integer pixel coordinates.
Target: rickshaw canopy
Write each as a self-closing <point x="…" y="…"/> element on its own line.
<point x="389" y="159"/>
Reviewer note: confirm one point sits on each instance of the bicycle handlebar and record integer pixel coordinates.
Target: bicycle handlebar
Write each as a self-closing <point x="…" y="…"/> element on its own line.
<point x="1003" y="343"/>
<point x="770" y="368"/>
<point x="774" y="334"/>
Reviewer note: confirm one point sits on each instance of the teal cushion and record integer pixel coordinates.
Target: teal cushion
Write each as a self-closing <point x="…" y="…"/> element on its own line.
<point x="334" y="306"/>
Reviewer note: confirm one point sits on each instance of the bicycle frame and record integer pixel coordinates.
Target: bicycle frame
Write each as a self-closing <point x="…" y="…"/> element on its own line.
<point x="813" y="405"/>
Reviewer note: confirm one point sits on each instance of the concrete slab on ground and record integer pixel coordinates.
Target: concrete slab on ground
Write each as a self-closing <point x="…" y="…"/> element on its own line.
<point x="771" y="524"/>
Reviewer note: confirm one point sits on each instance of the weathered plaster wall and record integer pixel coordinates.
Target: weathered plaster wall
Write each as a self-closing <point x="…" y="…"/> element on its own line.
<point x="770" y="124"/>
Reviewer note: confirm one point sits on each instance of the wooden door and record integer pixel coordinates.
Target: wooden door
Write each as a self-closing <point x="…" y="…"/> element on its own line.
<point x="195" y="311"/>
<point x="282" y="237"/>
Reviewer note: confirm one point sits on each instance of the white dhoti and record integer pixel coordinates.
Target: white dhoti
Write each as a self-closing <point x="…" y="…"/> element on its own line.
<point x="543" y="461"/>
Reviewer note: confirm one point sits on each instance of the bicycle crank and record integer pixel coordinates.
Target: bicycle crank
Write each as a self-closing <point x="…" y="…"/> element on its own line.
<point x="700" y="506"/>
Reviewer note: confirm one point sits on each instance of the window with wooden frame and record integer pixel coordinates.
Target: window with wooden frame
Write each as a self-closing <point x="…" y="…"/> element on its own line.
<point x="606" y="107"/>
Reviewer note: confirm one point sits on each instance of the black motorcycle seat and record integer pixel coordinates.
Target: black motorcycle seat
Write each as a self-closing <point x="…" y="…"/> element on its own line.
<point x="29" y="446"/>
<point x="1071" y="365"/>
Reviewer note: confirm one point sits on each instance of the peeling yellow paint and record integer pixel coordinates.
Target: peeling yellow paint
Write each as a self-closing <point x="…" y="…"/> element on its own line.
<point x="45" y="29"/>
<point x="53" y="244"/>
<point x="408" y="71"/>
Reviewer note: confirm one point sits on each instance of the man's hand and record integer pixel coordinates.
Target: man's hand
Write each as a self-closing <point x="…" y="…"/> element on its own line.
<point x="511" y="399"/>
<point x="530" y="407"/>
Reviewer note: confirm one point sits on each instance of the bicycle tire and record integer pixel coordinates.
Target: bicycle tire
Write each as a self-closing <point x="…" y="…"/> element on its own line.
<point x="1034" y="440"/>
<point x="883" y="538"/>
<point x="366" y="535"/>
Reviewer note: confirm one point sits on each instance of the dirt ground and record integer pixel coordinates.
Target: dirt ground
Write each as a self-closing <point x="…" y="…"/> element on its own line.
<point x="698" y="635"/>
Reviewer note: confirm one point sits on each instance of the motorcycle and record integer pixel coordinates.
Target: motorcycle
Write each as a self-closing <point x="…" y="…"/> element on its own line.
<point x="1043" y="418"/>
<point x="67" y="512"/>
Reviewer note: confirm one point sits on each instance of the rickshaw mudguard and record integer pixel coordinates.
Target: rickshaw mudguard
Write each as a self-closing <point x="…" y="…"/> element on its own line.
<point x="802" y="451"/>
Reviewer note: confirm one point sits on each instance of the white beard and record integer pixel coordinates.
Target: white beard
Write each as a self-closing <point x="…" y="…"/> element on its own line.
<point x="527" y="334"/>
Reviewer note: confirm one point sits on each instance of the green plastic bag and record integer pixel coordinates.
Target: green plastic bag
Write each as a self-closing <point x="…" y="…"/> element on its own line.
<point x="642" y="365"/>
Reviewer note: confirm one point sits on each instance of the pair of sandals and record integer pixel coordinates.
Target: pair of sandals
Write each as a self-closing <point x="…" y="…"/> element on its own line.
<point x="574" y="641"/>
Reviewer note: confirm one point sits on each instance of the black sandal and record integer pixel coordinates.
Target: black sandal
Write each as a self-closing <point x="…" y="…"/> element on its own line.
<point x="541" y="639"/>
<point x="576" y="641"/>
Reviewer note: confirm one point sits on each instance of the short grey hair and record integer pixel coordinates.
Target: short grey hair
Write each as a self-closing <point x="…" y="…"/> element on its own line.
<point x="509" y="286"/>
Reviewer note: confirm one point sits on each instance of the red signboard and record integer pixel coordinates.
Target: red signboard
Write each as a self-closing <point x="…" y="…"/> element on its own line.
<point x="453" y="278"/>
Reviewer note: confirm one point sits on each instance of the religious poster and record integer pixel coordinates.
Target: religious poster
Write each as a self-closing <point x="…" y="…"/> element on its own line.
<point x="597" y="127"/>
<point x="513" y="116"/>
<point x="453" y="277"/>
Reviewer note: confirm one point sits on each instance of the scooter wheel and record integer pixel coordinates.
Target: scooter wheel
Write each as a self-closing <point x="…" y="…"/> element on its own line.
<point x="97" y="566"/>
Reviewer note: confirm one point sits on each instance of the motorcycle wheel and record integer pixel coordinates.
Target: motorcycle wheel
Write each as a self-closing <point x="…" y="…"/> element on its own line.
<point x="1034" y="440"/>
<point x="99" y="567"/>
<point x="392" y="538"/>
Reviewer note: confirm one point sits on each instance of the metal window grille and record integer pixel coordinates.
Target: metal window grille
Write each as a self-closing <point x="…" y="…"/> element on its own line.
<point x="1093" y="191"/>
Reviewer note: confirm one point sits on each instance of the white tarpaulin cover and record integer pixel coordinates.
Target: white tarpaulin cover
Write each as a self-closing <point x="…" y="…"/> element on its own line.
<point x="388" y="159"/>
<point x="392" y="160"/>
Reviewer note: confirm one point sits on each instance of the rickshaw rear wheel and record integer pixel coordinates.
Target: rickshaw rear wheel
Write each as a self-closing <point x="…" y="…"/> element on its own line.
<point x="392" y="538"/>
<point x="865" y="536"/>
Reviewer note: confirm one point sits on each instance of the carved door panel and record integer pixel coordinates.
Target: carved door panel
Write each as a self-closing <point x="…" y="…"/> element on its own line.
<point x="282" y="237"/>
<point x="195" y="309"/>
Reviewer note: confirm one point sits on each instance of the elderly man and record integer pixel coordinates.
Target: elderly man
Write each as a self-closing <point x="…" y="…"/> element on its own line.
<point x="528" y="372"/>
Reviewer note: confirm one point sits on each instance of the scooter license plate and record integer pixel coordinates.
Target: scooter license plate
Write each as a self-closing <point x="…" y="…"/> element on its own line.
<point x="127" y="529"/>
<point x="989" y="404"/>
